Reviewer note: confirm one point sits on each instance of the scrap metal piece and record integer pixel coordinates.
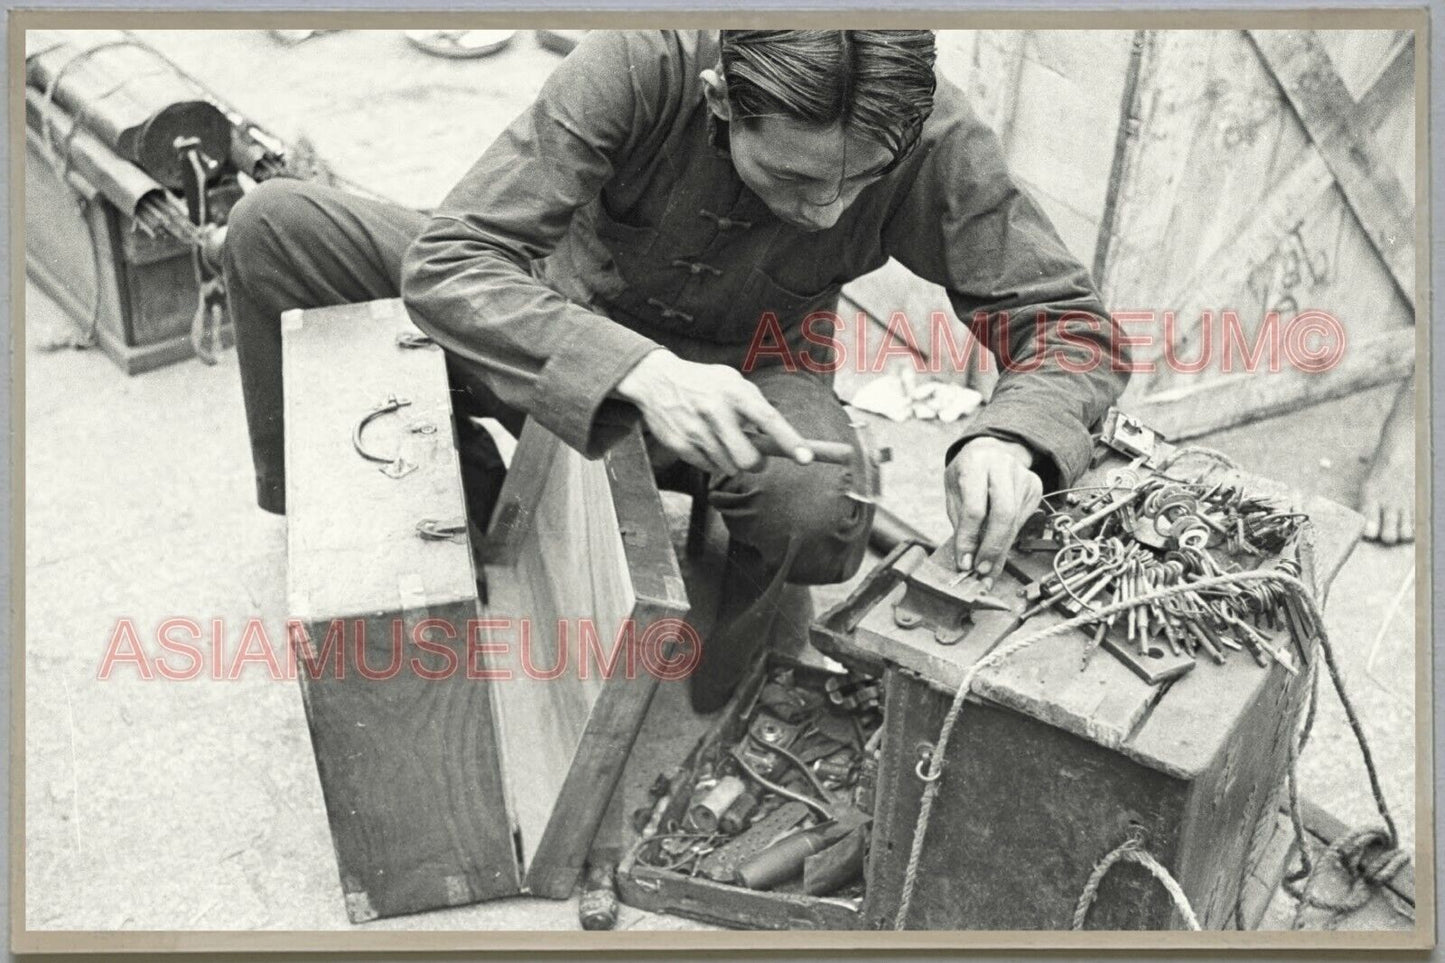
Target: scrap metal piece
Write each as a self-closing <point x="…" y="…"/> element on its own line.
<point x="1154" y="665"/>
<point x="1132" y="438"/>
<point x="935" y="600"/>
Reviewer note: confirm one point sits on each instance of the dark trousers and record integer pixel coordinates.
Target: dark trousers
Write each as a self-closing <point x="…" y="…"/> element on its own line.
<point x="294" y="244"/>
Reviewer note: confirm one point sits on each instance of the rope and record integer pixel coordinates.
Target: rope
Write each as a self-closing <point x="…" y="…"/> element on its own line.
<point x="1353" y="854"/>
<point x="1198" y="451"/>
<point x="1132" y="850"/>
<point x="932" y="780"/>
<point x="1296" y="746"/>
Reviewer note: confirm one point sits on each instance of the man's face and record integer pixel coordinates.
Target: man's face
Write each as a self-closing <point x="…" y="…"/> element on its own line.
<point x="807" y="175"/>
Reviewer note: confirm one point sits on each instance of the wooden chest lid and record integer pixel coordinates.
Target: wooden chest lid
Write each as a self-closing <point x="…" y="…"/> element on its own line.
<point x="353" y="545"/>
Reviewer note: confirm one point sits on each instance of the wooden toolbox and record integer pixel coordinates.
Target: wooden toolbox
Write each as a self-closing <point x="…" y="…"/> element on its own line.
<point x="1051" y="767"/>
<point x="455" y="778"/>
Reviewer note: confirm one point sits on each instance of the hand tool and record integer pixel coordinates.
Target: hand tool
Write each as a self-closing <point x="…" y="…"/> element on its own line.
<point x="825" y="452"/>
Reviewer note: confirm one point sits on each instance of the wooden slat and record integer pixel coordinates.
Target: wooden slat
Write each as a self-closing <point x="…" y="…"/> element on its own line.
<point x="1153" y="212"/>
<point x="1205" y="405"/>
<point x="1324" y="106"/>
<point x="986" y="64"/>
<point x="1258" y="234"/>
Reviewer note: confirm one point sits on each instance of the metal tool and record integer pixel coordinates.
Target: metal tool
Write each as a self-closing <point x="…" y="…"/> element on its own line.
<point x="824" y="452"/>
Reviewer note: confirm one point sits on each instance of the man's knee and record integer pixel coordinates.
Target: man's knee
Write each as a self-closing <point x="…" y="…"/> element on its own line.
<point x="812" y="504"/>
<point x="271" y="214"/>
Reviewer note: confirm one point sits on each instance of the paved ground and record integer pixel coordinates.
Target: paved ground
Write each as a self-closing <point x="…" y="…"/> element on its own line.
<point x="196" y="805"/>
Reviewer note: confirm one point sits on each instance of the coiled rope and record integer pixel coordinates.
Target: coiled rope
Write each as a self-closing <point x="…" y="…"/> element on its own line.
<point x="1350" y="852"/>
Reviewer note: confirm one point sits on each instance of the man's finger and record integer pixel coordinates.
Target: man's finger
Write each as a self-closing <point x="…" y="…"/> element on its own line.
<point x="717" y="453"/>
<point x="954" y="503"/>
<point x="1002" y="525"/>
<point x="973" y="509"/>
<point x="756" y="409"/>
<point x="681" y="446"/>
<point x="701" y="436"/>
<point x="1032" y="495"/>
<point x="730" y="434"/>
<point x="952" y="499"/>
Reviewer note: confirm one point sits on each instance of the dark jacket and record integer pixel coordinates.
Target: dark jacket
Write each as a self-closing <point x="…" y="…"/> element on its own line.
<point x="608" y="219"/>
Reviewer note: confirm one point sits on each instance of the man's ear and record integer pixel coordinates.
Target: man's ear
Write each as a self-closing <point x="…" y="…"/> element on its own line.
<point x="715" y="89"/>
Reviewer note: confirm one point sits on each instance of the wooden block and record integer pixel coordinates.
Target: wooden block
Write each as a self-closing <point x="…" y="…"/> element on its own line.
<point x="408" y="764"/>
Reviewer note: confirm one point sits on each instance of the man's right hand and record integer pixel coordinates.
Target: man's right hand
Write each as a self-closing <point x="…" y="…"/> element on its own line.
<point x="699" y="411"/>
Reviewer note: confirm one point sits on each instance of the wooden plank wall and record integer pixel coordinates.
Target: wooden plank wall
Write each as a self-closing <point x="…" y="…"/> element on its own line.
<point x="1222" y="200"/>
<point x="1227" y="204"/>
<point x="1054" y="99"/>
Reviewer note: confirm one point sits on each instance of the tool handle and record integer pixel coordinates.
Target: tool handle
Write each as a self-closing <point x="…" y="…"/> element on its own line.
<point x="827" y="452"/>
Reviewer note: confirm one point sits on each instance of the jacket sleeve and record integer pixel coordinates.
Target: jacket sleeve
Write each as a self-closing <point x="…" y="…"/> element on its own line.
<point x="964" y="224"/>
<point x="467" y="279"/>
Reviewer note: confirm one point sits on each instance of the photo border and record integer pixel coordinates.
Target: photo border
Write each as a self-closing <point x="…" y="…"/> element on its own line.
<point x="513" y="941"/>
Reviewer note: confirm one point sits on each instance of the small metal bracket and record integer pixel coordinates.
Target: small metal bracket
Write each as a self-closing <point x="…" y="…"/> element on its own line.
<point x="1155" y="665"/>
<point x="414" y="339"/>
<point x="439" y="530"/>
<point x="925" y="760"/>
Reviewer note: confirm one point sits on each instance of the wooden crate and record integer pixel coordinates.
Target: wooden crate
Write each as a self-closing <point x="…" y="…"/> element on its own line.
<point x="137" y="292"/>
<point x="462" y="786"/>
<point x="1052" y="767"/>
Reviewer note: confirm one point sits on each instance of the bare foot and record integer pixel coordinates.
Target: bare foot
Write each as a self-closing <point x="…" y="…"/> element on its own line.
<point x="1387" y="498"/>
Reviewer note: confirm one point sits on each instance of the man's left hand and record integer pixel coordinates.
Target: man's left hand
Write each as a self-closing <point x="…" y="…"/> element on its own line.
<point x="991" y="490"/>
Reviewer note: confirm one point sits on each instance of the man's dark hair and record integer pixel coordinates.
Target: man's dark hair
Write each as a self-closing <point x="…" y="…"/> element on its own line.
<point x="878" y="83"/>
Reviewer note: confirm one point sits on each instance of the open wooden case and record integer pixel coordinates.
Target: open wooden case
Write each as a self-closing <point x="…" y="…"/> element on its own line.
<point x="685" y="892"/>
<point x="482" y="767"/>
<point x="581" y="550"/>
